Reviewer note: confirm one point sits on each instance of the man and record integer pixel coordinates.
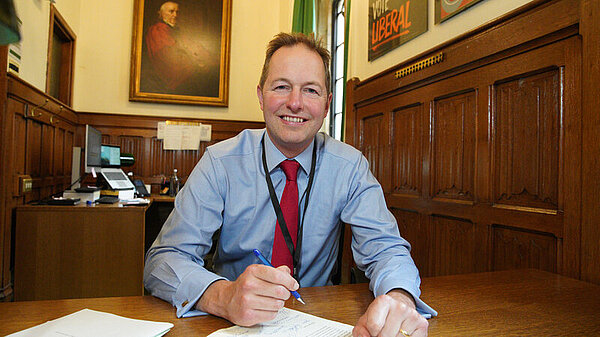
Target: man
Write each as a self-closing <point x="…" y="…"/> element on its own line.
<point x="229" y="190"/>
<point x="175" y="67"/>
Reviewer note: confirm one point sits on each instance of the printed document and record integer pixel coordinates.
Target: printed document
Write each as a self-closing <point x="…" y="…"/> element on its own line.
<point x="290" y="323"/>
<point x="91" y="323"/>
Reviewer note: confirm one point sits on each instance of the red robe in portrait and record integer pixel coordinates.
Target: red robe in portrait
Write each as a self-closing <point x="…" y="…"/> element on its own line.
<point x="171" y="64"/>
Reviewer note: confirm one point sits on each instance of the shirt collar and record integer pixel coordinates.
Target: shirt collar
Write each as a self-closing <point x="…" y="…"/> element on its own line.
<point x="274" y="156"/>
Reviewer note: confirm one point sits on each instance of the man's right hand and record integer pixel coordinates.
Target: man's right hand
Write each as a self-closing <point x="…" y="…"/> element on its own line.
<point x="255" y="297"/>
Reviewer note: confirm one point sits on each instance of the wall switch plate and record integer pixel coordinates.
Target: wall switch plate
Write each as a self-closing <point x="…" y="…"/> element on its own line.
<point x="25" y="184"/>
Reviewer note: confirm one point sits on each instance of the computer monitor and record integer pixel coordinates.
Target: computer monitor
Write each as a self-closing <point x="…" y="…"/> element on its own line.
<point x="93" y="147"/>
<point x="110" y="156"/>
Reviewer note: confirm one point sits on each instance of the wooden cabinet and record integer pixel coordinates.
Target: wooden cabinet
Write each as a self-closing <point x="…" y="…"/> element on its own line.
<point x="78" y="251"/>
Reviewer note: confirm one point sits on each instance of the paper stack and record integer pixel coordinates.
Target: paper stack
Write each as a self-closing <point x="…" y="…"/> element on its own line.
<point x="91" y="323"/>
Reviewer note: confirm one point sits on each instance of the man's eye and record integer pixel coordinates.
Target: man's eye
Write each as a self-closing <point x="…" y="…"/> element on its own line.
<point x="281" y="87"/>
<point x="312" y="91"/>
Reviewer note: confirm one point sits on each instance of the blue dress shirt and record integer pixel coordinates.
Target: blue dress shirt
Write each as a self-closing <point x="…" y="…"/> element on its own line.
<point x="227" y="191"/>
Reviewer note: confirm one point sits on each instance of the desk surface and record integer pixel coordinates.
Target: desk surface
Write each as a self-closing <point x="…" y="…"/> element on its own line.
<point x="508" y="303"/>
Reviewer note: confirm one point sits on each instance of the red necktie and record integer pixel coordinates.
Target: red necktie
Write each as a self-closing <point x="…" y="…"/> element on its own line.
<point x="289" y="207"/>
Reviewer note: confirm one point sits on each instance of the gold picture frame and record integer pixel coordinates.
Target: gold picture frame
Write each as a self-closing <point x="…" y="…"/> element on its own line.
<point x="180" y="52"/>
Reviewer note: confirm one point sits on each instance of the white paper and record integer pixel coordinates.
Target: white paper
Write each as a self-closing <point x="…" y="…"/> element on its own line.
<point x="205" y="132"/>
<point x="182" y="137"/>
<point x="160" y="130"/>
<point x="190" y="137"/>
<point x="91" y="323"/>
<point x="290" y="323"/>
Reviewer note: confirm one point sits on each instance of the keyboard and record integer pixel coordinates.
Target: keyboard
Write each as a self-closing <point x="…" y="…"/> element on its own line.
<point x="115" y="176"/>
<point x="107" y="200"/>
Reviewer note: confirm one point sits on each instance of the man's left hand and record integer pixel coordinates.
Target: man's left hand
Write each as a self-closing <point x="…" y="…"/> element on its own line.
<point x="392" y="314"/>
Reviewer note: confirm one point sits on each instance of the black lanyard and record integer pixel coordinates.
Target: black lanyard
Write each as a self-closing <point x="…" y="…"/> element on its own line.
<point x="282" y="225"/>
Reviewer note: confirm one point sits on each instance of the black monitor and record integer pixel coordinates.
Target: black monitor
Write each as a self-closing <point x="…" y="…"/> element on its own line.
<point x="93" y="145"/>
<point x="110" y="156"/>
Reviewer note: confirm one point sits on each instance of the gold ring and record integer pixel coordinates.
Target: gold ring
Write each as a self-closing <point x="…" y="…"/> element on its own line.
<point x="404" y="333"/>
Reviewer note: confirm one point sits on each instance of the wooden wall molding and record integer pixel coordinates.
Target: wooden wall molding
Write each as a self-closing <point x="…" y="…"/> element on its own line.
<point x="482" y="156"/>
<point x="137" y="135"/>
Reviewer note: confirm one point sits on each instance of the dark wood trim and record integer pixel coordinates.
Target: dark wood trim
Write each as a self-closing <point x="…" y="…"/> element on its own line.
<point x="590" y="230"/>
<point x="5" y="238"/>
<point x="149" y="122"/>
<point x="67" y="63"/>
<point x="34" y="97"/>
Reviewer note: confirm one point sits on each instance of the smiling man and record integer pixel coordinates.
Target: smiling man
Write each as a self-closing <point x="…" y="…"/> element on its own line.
<point x="245" y="188"/>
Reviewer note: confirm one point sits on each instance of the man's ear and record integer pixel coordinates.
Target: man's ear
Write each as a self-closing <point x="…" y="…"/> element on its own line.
<point x="260" y="96"/>
<point x="328" y="105"/>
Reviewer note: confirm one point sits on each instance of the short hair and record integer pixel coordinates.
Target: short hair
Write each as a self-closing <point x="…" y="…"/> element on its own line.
<point x="292" y="39"/>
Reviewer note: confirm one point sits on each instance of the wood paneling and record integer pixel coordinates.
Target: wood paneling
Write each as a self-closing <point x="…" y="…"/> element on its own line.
<point x="39" y="133"/>
<point x="416" y="230"/>
<point x="464" y="244"/>
<point x="590" y="213"/>
<point x="137" y="135"/>
<point x="492" y="177"/>
<point x="515" y="249"/>
<point x="375" y="143"/>
<point x="526" y="141"/>
<point x="453" y="164"/>
<point x="407" y="154"/>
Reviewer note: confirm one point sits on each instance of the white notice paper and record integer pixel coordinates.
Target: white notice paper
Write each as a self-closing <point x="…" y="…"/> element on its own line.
<point x="182" y="137"/>
<point x="205" y="132"/>
<point x="91" y="323"/>
<point x="160" y="130"/>
<point x="290" y="323"/>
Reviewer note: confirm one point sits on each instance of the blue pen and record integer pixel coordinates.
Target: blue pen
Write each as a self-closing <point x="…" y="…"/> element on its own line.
<point x="267" y="263"/>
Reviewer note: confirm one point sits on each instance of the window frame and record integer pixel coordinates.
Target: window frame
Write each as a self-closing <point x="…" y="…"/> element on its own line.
<point x="335" y="77"/>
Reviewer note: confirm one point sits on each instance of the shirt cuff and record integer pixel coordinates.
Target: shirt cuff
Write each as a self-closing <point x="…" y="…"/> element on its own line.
<point x="422" y="308"/>
<point x="190" y="290"/>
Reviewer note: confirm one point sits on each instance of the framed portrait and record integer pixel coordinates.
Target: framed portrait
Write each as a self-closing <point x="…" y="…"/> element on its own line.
<point x="180" y="52"/>
<point x="445" y="9"/>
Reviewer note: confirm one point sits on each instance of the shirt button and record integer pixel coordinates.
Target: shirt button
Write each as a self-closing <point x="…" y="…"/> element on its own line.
<point x="184" y="303"/>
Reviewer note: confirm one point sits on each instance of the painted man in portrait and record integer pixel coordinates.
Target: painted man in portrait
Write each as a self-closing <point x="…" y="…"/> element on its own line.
<point x="175" y="62"/>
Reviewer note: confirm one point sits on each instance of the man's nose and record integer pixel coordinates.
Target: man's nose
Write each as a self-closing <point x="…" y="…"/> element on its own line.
<point x="294" y="102"/>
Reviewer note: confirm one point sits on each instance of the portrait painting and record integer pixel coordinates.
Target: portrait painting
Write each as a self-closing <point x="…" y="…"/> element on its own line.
<point x="180" y="52"/>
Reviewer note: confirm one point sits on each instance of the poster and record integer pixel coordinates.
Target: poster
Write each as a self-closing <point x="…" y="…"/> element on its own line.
<point x="445" y="9"/>
<point x="393" y="23"/>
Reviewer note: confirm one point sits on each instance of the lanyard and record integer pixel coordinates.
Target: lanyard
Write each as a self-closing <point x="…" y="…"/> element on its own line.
<point x="295" y="252"/>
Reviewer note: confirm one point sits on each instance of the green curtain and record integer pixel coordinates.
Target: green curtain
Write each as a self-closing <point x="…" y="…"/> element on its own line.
<point x="304" y="16"/>
<point x="346" y="48"/>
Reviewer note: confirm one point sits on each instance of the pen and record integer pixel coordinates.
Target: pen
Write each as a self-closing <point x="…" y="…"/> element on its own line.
<point x="266" y="262"/>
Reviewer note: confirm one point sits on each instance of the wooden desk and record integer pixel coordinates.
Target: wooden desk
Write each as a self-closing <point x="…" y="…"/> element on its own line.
<point x="79" y="251"/>
<point x="508" y="303"/>
<point x="84" y="251"/>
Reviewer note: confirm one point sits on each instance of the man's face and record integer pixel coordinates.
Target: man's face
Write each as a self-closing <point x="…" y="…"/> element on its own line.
<point x="294" y="98"/>
<point x="168" y="13"/>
